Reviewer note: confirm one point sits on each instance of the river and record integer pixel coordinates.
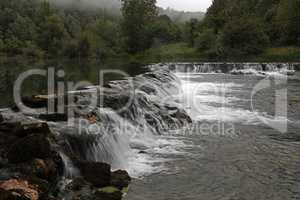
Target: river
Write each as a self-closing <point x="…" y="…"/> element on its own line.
<point x="243" y="142"/>
<point x="233" y="151"/>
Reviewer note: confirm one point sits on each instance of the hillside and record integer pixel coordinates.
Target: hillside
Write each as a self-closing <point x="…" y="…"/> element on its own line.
<point x="181" y="16"/>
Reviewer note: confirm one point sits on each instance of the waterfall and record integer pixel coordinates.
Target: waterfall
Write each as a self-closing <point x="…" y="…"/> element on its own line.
<point x="113" y="133"/>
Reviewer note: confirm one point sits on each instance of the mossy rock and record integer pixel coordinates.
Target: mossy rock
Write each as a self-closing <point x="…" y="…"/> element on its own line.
<point x="109" y="193"/>
<point x="109" y="189"/>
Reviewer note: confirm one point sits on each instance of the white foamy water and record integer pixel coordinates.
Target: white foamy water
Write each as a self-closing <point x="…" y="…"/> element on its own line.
<point x="215" y="102"/>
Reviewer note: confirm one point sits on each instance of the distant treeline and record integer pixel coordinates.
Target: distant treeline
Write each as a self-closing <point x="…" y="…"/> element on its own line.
<point x="234" y="28"/>
<point x="48" y="29"/>
<point x="108" y="28"/>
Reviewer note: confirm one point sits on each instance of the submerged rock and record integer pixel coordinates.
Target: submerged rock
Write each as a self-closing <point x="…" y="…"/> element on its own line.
<point x="120" y="179"/>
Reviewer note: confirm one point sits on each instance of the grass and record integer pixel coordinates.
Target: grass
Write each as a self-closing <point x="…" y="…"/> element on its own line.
<point x="181" y="52"/>
<point x="169" y="53"/>
<point x="281" y="54"/>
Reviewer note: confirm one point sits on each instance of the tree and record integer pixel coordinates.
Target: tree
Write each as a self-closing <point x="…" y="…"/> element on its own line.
<point x="192" y="31"/>
<point x="165" y="30"/>
<point x="53" y="34"/>
<point x="137" y="16"/>
<point x="288" y="20"/>
<point x="243" y="36"/>
<point x="206" y="40"/>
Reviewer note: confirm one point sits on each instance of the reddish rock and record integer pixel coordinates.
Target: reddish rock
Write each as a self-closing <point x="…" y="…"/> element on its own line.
<point x="46" y="169"/>
<point x="18" y="189"/>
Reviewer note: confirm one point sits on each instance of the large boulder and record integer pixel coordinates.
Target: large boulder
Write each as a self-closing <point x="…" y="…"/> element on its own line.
<point x="18" y="189"/>
<point x="96" y="173"/>
<point x="29" y="148"/>
<point x="120" y="179"/>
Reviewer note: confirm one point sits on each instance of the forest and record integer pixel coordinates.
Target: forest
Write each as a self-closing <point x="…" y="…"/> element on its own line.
<point x="248" y="27"/>
<point x="230" y="29"/>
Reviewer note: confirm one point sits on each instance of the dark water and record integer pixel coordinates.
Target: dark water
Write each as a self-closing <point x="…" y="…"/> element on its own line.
<point x="75" y="71"/>
<point x="252" y="161"/>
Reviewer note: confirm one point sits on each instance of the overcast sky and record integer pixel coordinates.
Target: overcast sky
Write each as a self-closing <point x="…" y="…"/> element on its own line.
<point x="186" y="5"/>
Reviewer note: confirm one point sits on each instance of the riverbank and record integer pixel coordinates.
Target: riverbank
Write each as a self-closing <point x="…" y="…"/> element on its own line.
<point x="181" y="52"/>
<point x="33" y="167"/>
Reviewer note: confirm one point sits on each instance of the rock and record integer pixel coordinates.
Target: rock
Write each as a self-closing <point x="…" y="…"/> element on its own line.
<point x="1" y="118"/>
<point x="12" y="195"/>
<point x="11" y="127"/>
<point x="35" y="128"/>
<point x="35" y="101"/>
<point x="29" y="148"/>
<point x="120" y="179"/>
<point x="18" y="189"/>
<point x="22" y="130"/>
<point x="43" y="187"/>
<point x="182" y="116"/>
<point x="45" y="169"/>
<point x="54" y="117"/>
<point x="95" y="172"/>
<point x="108" y="193"/>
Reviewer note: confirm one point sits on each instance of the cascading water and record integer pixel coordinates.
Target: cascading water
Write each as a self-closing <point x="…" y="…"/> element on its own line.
<point x="125" y="121"/>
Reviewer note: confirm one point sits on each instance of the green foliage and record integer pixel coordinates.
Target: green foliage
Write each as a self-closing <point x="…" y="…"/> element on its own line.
<point x="288" y="21"/>
<point x="246" y="27"/>
<point x="36" y="28"/>
<point x="137" y="18"/>
<point x="243" y="37"/>
<point x="206" y="40"/>
<point x="53" y="34"/>
<point x="280" y="54"/>
<point x="191" y="31"/>
<point x="164" y="30"/>
<point x="174" y="52"/>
